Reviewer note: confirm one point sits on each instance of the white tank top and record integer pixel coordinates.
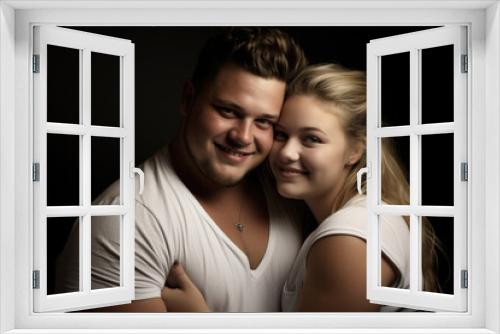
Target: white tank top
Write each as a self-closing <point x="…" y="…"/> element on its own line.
<point x="352" y="219"/>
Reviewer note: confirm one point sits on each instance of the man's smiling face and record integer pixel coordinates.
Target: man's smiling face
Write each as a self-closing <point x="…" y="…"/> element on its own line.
<point x="229" y="124"/>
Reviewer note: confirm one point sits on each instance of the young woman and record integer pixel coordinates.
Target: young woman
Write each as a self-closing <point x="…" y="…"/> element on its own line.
<point x="319" y="146"/>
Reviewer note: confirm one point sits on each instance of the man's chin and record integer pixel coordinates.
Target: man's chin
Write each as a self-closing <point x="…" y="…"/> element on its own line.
<point x="228" y="178"/>
<point x="228" y="181"/>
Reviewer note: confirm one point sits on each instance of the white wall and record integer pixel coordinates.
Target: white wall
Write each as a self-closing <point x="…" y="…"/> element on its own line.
<point x="7" y="149"/>
<point x="492" y="150"/>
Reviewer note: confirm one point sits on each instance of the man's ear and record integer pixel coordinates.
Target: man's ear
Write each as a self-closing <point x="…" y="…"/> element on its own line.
<point x="356" y="152"/>
<point x="187" y="98"/>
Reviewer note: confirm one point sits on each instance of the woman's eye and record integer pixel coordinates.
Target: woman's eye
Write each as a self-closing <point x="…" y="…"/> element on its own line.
<point x="312" y="139"/>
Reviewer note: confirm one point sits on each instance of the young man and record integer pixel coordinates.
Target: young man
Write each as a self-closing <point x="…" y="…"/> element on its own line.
<point x="204" y="203"/>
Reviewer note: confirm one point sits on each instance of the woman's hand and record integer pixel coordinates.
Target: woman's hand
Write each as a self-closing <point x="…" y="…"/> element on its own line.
<point x="182" y="295"/>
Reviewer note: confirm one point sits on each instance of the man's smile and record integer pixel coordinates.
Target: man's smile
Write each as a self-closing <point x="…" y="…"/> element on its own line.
<point x="233" y="152"/>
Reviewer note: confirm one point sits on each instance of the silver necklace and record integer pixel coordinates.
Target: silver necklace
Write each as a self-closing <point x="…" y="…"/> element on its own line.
<point x="239" y="226"/>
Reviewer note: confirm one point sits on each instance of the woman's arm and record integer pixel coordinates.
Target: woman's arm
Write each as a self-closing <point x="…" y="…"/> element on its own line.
<point x="335" y="279"/>
<point x="184" y="296"/>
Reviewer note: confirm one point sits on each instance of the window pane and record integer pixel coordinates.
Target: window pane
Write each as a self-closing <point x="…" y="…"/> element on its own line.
<point x="63" y="268"/>
<point x="105" y="165"/>
<point x="105" y="82"/>
<point x="437" y="84"/>
<point x="63" y="84"/>
<point x="395" y="89"/>
<point x="437" y="265"/>
<point x="395" y="248"/>
<point x="394" y="169"/>
<point x="106" y="251"/>
<point x="437" y="169"/>
<point x="63" y="170"/>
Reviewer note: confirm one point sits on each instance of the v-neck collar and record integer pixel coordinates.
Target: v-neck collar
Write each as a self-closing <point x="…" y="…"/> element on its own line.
<point x="256" y="272"/>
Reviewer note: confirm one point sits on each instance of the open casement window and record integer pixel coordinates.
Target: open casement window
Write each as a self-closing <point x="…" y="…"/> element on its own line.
<point x="400" y="70"/>
<point x="62" y="64"/>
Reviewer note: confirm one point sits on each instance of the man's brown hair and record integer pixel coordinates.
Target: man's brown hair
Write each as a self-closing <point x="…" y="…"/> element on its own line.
<point x="265" y="52"/>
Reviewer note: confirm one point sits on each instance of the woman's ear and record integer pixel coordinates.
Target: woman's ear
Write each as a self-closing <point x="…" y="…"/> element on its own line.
<point x="187" y="98"/>
<point x="355" y="153"/>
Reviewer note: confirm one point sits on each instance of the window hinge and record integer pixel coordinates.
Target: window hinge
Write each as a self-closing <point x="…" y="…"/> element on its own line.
<point x="465" y="65"/>
<point x="464" y="279"/>
<point x="36" y="63"/>
<point x="36" y="172"/>
<point x="464" y="171"/>
<point x="36" y="279"/>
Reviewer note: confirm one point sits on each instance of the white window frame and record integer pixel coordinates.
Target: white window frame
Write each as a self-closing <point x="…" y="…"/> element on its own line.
<point x="413" y="44"/>
<point x="86" y="43"/>
<point x="16" y="20"/>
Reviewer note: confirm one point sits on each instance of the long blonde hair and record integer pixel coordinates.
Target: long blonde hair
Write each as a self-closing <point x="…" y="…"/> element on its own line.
<point x="346" y="90"/>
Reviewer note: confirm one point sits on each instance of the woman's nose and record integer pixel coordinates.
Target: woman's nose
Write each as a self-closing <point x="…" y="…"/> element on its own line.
<point x="289" y="151"/>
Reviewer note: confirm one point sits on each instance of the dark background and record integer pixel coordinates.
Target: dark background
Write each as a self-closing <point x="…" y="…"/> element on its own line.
<point x="164" y="59"/>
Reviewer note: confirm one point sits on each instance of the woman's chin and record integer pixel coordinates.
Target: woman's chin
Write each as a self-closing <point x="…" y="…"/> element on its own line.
<point x="289" y="192"/>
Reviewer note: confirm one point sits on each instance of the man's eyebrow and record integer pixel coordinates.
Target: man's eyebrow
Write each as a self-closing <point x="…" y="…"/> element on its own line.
<point x="227" y="104"/>
<point x="238" y="108"/>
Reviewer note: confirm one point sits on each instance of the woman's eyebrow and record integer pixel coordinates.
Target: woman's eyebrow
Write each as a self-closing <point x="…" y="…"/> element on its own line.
<point x="269" y="117"/>
<point x="311" y="128"/>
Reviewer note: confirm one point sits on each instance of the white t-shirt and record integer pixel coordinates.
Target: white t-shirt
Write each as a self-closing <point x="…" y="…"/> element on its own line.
<point x="172" y="225"/>
<point x="352" y="219"/>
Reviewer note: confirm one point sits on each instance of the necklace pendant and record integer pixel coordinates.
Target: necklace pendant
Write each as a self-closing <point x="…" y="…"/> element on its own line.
<point x="239" y="227"/>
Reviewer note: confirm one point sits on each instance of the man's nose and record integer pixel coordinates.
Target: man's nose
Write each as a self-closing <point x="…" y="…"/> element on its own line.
<point x="241" y="134"/>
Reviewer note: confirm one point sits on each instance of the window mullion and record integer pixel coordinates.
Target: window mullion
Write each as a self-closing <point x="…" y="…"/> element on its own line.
<point x="124" y="189"/>
<point x="419" y="129"/>
<point x="85" y="163"/>
<point x="414" y="170"/>
<point x="373" y="158"/>
<point x="460" y="155"/>
<point x="40" y="156"/>
<point x="406" y="210"/>
<point x="127" y="154"/>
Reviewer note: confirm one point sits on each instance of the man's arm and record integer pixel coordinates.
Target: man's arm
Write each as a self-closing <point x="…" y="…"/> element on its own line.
<point x="184" y="297"/>
<point x="150" y="263"/>
<point x="152" y="305"/>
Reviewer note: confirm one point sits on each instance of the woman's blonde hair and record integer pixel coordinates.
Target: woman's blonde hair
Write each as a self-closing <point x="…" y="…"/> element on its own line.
<point x="346" y="90"/>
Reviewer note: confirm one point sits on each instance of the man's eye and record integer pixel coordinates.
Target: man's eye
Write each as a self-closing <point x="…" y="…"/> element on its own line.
<point x="279" y="135"/>
<point x="225" y="111"/>
<point x="264" y="123"/>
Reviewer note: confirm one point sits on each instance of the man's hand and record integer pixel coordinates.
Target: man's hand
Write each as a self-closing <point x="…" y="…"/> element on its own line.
<point x="182" y="295"/>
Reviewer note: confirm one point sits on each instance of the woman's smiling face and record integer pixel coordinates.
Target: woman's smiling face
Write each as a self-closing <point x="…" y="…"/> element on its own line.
<point x="310" y="157"/>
